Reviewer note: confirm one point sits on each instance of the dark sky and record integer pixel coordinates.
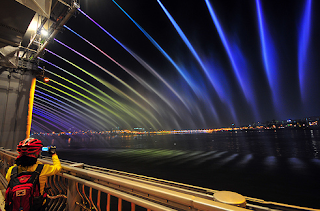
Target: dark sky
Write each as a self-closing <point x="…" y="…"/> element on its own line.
<point x="190" y="65"/>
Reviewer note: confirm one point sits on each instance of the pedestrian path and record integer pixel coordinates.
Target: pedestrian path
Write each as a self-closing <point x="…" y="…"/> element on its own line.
<point x="2" y="192"/>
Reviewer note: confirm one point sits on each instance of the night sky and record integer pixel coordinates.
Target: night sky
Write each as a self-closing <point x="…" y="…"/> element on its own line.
<point x="182" y="65"/>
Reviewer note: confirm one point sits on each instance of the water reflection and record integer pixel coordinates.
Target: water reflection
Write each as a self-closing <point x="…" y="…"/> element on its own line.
<point x="212" y="156"/>
<point x="245" y="159"/>
<point x="312" y="135"/>
<point x="315" y="149"/>
<point x="286" y="143"/>
<point x="225" y="161"/>
<point x="281" y="162"/>
<point x="270" y="161"/>
<point x="316" y="161"/>
<point x="296" y="164"/>
<point x="228" y="159"/>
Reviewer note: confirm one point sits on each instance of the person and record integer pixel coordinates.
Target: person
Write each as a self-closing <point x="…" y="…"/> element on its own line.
<point x="29" y="151"/>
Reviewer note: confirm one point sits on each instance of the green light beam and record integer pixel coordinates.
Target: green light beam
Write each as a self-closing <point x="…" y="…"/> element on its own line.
<point x="78" y="99"/>
<point x="114" y="89"/>
<point x="72" y="111"/>
<point x="109" y="73"/>
<point x="111" y="87"/>
<point x="88" y="110"/>
<point x="113" y="105"/>
<point x="60" y="115"/>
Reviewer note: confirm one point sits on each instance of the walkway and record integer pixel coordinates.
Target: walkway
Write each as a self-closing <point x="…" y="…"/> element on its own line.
<point x="2" y="194"/>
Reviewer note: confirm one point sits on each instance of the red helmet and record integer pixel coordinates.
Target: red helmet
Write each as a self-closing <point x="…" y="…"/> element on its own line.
<point x="30" y="147"/>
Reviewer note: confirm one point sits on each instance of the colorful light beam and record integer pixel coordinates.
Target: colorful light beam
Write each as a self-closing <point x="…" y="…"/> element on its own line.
<point x="113" y="102"/>
<point x="86" y="103"/>
<point x="58" y="103"/>
<point x="108" y="119"/>
<point x="135" y="76"/>
<point x="237" y="60"/>
<point x="90" y="99"/>
<point x="111" y="74"/>
<point x="304" y="39"/>
<point x="111" y="87"/>
<point x="76" y="119"/>
<point x="90" y="111"/>
<point x="115" y="106"/>
<point x="61" y="118"/>
<point x="39" y="125"/>
<point x="151" y="70"/>
<point x="69" y="110"/>
<point x="48" y="122"/>
<point x="53" y="116"/>
<point x="269" y="57"/>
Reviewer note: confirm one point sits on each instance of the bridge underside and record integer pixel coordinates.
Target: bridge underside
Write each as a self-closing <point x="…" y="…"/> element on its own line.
<point x="21" y="43"/>
<point x="14" y="85"/>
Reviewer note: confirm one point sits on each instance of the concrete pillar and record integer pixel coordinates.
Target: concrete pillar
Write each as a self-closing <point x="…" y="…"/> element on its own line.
<point x="14" y="103"/>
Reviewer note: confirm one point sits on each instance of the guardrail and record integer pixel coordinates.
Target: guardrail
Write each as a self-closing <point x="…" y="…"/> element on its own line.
<point x="83" y="187"/>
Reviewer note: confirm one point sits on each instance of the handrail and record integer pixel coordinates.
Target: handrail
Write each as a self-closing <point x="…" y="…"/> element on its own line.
<point x="136" y="200"/>
<point x="145" y="195"/>
<point x="74" y="186"/>
<point x="203" y="192"/>
<point x="174" y="197"/>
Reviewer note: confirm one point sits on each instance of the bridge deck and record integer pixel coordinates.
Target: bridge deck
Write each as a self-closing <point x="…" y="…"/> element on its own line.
<point x="2" y="194"/>
<point x="147" y="192"/>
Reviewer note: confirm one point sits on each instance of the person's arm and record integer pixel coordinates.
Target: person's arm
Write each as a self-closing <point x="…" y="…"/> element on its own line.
<point x="49" y="170"/>
<point x="56" y="162"/>
<point x="8" y="175"/>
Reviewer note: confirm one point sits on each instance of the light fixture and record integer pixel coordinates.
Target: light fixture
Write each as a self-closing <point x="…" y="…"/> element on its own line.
<point x="44" y="32"/>
<point x="46" y="79"/>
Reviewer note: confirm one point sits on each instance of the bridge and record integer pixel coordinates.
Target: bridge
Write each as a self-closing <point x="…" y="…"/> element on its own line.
<point x="80" y="186"/>
<point x="22" y="42"/>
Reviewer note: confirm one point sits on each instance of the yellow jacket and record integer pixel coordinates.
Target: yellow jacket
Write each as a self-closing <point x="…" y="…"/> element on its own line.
<point x="48" y="170"/>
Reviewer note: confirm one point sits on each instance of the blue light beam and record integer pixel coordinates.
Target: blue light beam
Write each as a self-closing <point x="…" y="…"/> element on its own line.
<point x="304" y="39"/>
<point x="237" y="60"/>
<point x="269" y="58"/>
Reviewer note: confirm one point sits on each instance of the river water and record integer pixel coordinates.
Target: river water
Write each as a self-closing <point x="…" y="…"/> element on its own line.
<point x="274" y="165"/>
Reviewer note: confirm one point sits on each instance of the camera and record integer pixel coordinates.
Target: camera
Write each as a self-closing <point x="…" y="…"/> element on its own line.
<point x="50" y="149"/>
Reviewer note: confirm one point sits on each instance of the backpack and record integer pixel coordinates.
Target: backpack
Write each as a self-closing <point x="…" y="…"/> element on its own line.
<point x="22" y="189"/>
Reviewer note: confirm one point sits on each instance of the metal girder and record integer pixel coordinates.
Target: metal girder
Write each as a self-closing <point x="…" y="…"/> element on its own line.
<point x="70" y="13"/>
<point x="21" y="23"/>
<point x="42" y="7"/>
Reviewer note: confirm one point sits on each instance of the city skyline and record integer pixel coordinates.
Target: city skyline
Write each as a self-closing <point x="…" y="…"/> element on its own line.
<point x="304" y="123"/>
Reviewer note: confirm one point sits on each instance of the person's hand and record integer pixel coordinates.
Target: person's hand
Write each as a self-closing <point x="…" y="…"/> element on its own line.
<point x="52" y="150"/>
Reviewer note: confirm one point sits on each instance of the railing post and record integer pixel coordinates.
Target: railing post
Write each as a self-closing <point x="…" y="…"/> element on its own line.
<point x="108" y="202"/>
<point x="73" y="196"/>
<point x="119" y="204"/>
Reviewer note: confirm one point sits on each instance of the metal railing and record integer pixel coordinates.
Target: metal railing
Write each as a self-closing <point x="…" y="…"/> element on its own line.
<point x="82" y="187"/>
